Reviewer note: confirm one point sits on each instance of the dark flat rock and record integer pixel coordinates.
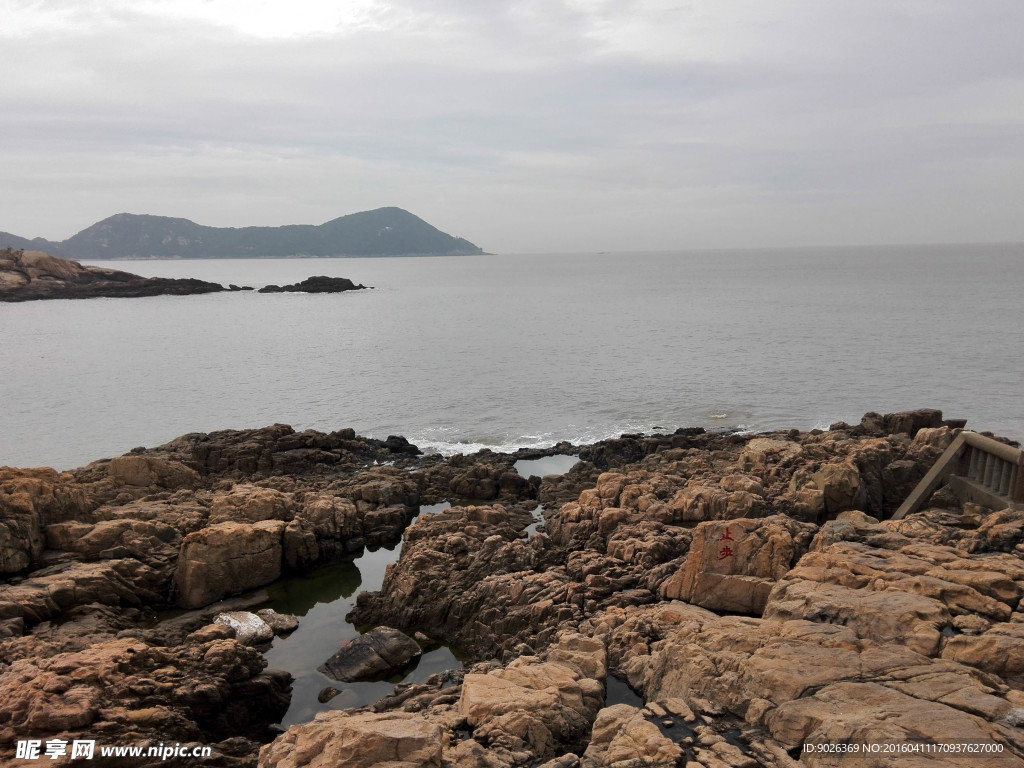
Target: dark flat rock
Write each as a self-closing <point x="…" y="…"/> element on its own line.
<point x="316" y="284"/>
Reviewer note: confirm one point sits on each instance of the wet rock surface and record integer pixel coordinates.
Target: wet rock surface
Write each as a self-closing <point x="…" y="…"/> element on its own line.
<point x="750" y="588"/>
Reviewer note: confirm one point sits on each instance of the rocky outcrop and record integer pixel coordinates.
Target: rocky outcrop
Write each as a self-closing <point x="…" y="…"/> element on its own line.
<point x="131" y="692"/>
<point x="622" y="735"/>
<point x="278" y="451"/>
<point x="52" y="591"/>
<point x="325" y="528"/>
<point x="29" y="275"/>
<point x="318" y="284"/>
<point x="357" y="740"/>
<point x="31" y="499"/>
<point x="809" y="617"/>
<point x="151" y="542"/>
<point x="546" y="708"/>
<point x="467" y="575"/>
<point x="806" y="682"/>
<point x="145" y="471"/>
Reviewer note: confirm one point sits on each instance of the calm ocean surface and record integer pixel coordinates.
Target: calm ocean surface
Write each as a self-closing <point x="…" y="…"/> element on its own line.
<point x="457" y="353"/>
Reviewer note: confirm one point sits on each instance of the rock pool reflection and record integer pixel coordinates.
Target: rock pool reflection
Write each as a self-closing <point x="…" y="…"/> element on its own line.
<point x="558" y="464"/>
<point x="321" y="600"/>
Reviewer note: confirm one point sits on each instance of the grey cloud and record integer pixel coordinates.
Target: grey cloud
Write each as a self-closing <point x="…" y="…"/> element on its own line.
<point x="470" y="111"/>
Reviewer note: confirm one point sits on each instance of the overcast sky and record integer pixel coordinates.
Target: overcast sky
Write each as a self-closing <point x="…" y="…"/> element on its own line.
<point x="555" y="125"/>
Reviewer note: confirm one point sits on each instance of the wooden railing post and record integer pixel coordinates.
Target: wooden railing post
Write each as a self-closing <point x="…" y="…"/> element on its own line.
<point x="1017" y="494"/>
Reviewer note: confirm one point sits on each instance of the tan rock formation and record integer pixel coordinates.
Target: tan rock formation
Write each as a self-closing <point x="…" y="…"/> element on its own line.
<point x="251" y="504"/>
<point x="145" y="471"/>
<point x="325" y="527"/>
<point x="544" y="706"/>
<point x="622" y="736"/>
<point x="130" y="691"/>
<point x="154" y="543"/>
<point x="733" y="565"/>
<point x="359" y="740"/>
<point x="807" y="682"/>
<point x="226" y="559"/>
<point x="31" y="499"/>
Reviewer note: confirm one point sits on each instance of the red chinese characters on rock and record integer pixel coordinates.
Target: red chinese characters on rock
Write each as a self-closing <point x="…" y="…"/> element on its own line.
<point x="726" y="551"/>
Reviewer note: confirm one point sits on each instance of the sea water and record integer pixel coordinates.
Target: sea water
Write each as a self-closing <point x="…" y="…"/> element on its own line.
<point x="508" y="351"/>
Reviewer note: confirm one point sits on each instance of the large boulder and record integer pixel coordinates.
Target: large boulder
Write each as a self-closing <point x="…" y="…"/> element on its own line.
<point x="761" y="453"/>
<point x="733" y="565"/>
<point x="377" y="654"/>
<point x="184" y="512"/>
<point x="841" y="487"/>
<point x="227" y="559"/>
<point x="582" y="654"/>
<point x="698" y="503"/>
<point x="910" y="422"/>
<point x="357" y="740"/>
<point x="622" y="736"/>
<point x="545" y="707"/>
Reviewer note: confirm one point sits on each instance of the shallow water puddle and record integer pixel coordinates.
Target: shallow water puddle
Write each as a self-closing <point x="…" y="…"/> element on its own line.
<point x="321" y="600"/>
<point x="433" y="509"/>
<point x="548" y="465"/>
<point x="538" y="520"/>
<point x="617" y="691"/>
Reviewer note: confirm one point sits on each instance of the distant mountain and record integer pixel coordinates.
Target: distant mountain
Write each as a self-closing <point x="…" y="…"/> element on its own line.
<point x="7" y="240"/>
<point x="382" y="232"/>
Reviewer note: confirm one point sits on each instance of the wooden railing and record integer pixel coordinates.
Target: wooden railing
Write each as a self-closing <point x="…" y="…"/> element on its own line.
<point x="978" y="469"/>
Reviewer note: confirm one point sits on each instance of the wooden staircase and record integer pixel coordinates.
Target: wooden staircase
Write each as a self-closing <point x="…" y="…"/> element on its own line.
<point x="978" y="469"/>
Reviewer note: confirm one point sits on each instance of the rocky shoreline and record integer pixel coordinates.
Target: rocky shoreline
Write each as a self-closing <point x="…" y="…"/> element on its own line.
<point x="34" y="275"/>
<point x="750" y="588"/>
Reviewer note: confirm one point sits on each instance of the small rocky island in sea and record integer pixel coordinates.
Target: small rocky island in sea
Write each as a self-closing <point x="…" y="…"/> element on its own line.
<point x="316" y="284"/>
<point x="31" y="275"/>
<point x="755" y="591"/>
